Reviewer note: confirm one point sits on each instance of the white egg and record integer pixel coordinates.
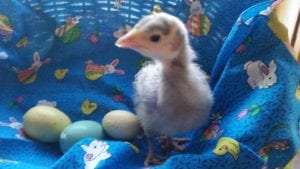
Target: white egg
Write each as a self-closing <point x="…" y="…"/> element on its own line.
<point x="121" y="125"/>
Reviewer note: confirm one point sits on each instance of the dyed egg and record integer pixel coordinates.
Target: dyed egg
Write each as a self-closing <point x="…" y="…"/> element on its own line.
<point x="45" y="123"/>
<point x="79" y="130"/>
<point x="121" y="125"/>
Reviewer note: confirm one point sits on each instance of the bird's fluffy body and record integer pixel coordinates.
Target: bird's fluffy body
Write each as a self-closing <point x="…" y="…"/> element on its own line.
<point x="172" y="94"/>
<point x="173" y="100"/>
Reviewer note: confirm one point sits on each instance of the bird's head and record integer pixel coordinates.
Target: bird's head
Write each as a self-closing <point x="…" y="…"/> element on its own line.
<point x="159" y="36"/>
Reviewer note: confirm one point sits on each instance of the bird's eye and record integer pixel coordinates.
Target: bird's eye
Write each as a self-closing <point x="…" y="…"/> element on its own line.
<point x="155" y="38"/>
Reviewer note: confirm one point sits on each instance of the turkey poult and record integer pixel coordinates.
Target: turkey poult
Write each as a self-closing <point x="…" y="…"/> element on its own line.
<point x="172" y="94"/>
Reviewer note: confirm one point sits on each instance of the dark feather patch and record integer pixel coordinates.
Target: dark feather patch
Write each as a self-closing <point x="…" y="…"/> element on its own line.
<point x="164" y="28"/>
<point x="160" y="25"/>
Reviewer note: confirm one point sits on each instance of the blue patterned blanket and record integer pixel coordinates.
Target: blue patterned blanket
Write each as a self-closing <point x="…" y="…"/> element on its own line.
<point x="254" y="77"/>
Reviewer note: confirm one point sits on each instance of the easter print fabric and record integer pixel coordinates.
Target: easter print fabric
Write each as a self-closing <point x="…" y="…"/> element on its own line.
<point x="61" y="53"/>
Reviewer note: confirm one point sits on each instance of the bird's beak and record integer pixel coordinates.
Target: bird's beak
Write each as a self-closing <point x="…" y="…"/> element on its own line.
<point x="130" y="40"/>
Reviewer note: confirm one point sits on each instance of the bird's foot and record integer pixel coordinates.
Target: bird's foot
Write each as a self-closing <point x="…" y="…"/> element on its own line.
<point x="152" y="159"/>
<point x="168" y="144"/>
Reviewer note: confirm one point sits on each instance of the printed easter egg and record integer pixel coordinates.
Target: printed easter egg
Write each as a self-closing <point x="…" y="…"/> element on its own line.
<point x="45" y="123"/>
<point x="5" y="26"/>
<point x="71" y="35"/>
<point x="79" y="130"/>
<point x="121" y="125"/>
<point x="93" y="71"/>
<point x="69" y="32"/>
<point x="198" y="24"/>
<point x="27" y="76"/>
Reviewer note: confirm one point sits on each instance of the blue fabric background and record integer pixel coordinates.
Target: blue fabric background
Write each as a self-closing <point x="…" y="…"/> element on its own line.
<point x="277" y="119"/>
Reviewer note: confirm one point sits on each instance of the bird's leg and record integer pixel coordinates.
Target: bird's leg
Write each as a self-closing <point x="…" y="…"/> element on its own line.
<point x="151" y="156"/>
<point x="168" y="144"/>
<point x="178" y="143"/>
<point x="165" y="145"/>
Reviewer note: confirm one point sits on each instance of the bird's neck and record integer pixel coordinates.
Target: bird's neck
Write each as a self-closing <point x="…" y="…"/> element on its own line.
<point x="174" y="68"/>
<point x="180" y="63"/>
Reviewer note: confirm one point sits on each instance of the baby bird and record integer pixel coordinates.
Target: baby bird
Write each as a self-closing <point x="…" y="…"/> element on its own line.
<point x="172" y="94"/>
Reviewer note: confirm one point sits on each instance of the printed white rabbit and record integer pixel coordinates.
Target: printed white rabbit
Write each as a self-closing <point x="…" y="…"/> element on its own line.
<point x="14" y="124"/>
<point x="111" y="68"/>
<point x="195" y="7"/>
<point x="46" y="103"/>
<point x="95" y="152"/>
<point x="260" y="75"/>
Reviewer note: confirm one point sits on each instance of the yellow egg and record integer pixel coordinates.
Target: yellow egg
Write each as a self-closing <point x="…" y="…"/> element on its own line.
<point x="121" y="125"/>
<point x="45" y="123"/>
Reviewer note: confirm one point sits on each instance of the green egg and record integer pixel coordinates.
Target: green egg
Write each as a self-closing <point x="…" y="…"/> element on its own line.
<point x="79" y="130"/>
